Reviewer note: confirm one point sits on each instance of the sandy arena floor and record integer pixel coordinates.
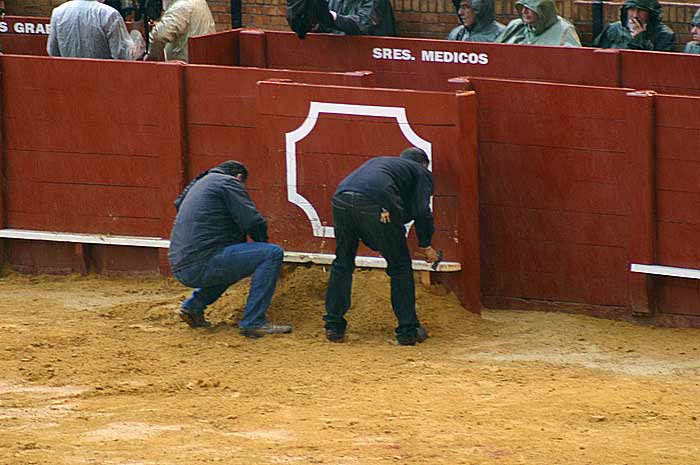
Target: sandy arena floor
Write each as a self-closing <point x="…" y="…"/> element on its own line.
<point x="100" y="371"/>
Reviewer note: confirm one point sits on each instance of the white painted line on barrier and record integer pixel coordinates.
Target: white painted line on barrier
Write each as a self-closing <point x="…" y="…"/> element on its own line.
<point x="665" y="271"/>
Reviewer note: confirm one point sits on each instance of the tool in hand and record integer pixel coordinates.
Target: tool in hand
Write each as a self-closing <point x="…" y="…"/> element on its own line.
<point x="435" y="264"/>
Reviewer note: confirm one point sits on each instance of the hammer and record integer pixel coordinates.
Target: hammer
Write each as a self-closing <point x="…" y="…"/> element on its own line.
<point x="425" y="275"/>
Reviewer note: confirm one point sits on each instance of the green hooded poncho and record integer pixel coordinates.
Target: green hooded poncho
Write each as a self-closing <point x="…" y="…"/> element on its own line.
<point x="485" y="27"/>
<point x="657" y="37"/>
<point x="694" y="46"/>
<point x="550" y="28"/>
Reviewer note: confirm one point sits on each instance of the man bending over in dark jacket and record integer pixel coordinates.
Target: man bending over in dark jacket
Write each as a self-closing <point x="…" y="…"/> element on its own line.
<point x="372" y="204"/>
<point x="209" y="249"/>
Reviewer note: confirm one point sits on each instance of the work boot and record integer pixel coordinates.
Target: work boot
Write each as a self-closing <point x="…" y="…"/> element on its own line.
<point x="194" y="319"/>
<point x="335" y="336"/>
<point x="267" y="328"/>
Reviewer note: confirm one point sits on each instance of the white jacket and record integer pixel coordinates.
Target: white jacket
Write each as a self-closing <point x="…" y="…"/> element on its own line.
<point x="182" y="19"/>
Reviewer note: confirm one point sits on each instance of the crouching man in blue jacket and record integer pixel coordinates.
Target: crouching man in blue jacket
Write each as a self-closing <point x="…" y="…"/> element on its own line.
<point x="209" y="249"/>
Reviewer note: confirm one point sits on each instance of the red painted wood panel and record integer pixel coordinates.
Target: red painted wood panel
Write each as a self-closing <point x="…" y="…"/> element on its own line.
<point x="678" y="192"/>
<point x="550" y="178"/>
<point x="82" y="145"/>
<point x="678" y="296"/>
<point x="677" y="244"/>
<point x="663" y="72"/>
<point x="428" y="64"/>
<point x="222" y="113"/>
<point x="83" y="168"/>
<point x="220" y="48"/>
<point x="44" y="257"/>
<point x="553" y="202"/>
<point x="337" y="145"/>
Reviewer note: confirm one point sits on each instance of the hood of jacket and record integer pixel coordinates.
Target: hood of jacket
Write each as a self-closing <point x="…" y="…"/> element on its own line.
<point x="652" y="6"/>
<point x="484" y="13"/>
<point x="696" y="18"/>
<point x="546" y="13"/>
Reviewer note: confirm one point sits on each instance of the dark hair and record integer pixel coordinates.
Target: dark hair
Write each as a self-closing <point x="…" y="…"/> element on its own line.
<point x="231" y="168"/>
<point x="234" y="168"/>
<point x="415" y="154"/>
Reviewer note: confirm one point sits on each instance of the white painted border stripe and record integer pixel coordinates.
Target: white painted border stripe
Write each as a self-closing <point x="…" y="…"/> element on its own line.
<point x="665" y="271"/>
<point x="300" y="133"/>
<point x="136" y="241"/>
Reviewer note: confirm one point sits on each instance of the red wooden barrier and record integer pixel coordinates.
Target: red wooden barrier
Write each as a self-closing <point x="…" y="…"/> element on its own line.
<point x="92" y="146"/>
<point x="221" y="109"/>
<point x="25" y="35"/>
<point x="313" y="136"/>
<point x="419" y="63"/>
<point x="669" y="73"/>
<point x="215" y="49"/>
<point x="677" y="127"/>
<point x="553" y="208"/>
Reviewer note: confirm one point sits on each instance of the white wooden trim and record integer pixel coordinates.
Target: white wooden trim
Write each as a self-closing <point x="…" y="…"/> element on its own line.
<point x="665" y="271"/>
<point x="365" y="262"/>
<point x="135" y="241"/>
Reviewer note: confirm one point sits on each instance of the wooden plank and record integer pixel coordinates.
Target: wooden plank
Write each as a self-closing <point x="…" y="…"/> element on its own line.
<point x="665" y="270"/>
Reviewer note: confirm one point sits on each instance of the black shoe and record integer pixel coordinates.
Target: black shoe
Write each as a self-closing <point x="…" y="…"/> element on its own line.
<point x="267" y="328"/>
<point x="335" y="336"/>
<point x="421" y="336"/>
<point x="194" y="319"/>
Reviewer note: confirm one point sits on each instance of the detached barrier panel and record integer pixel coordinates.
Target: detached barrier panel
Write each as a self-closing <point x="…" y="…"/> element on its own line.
<point x="313" y="136"/>
<point x="677" y="126"/>
<point x="553" y="201"/>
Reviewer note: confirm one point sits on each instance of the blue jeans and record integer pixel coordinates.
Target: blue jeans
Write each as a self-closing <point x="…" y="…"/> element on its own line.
<point x="227" y="267"/>
<point x="355" y="218"/>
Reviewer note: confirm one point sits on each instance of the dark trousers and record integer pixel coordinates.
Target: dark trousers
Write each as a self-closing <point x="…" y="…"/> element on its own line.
<point x="355" y="218"/>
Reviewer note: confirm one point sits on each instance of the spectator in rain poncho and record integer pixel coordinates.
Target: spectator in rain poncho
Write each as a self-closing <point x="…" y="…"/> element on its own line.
<point x="181" y="20"/>
<point x="539" y="24"/>
<point x="639" y="28"/>
<point x="694" y="45"/>
<point x="89" y="29"/>
<point x="477" y="20"/>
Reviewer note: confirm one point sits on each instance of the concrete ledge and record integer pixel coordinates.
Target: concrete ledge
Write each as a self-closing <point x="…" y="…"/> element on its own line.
<point x="136" y="241"/>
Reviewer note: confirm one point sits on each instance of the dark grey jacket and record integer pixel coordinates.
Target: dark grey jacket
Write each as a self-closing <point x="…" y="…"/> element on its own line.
<point x="216" y="212"/>
<point x="403" y="187"/>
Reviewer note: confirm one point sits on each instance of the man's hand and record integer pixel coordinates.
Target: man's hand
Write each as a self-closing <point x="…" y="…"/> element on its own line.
<point x="636" y="27"/>
<point x="430" y="255"/>
<point x="334" y="15"/>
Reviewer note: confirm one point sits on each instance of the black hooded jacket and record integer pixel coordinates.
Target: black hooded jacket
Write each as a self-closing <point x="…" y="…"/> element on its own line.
<point x="658" y="36"/>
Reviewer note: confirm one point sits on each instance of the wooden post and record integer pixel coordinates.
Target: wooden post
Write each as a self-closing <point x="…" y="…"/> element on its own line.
<point x="640" y="181"/>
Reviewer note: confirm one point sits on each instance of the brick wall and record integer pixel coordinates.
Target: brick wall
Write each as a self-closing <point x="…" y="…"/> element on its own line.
<point x="414" y="18"/>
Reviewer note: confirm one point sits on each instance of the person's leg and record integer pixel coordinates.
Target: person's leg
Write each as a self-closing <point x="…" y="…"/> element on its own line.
<point x="230" y="265"/>
<point x="262" y="286"/>
<point x="340" y="281"/>
<point x="390" y="240"/>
